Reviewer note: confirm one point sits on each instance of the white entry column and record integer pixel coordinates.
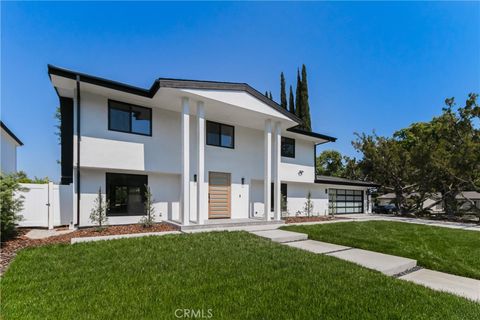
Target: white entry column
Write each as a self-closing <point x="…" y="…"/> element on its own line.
<point x="277" y="138"/>
<point x="185" y="127"/>
<point x="267" y="178"/>
<point x="201" y="190"/>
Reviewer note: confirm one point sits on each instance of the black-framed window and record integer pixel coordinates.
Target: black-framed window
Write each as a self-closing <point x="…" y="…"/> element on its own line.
<point x="220" y="135"/>
<point x="288" y="147"/>
<point x="126" y="194"/>
<point x="129" y="118"/>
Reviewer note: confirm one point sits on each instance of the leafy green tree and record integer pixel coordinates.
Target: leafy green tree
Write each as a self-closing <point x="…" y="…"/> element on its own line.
<point x="98" y="214"/>
<point x="385" y="162"/>
<point x="291" y="102"/>
<point x="283" y="93"/>
<point x="330" y="163"/>
<point x="304" y="100"/>
<point x="23" y="178"/>
<point x="148" y="219"/>
<point x="10" y="205"/>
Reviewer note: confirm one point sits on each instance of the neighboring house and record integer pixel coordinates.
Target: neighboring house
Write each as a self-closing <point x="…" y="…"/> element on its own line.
<point x="9" y="144"/>
<point x="208" y="150"/>
<point x="466" y="199"/>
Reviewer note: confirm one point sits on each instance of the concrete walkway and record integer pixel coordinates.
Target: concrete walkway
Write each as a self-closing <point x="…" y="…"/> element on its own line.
<point x="403" y="268"/>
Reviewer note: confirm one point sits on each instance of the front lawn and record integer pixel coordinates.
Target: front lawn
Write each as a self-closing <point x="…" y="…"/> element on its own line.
<point x="228" y="275"/>
<point x="443" y="249"/>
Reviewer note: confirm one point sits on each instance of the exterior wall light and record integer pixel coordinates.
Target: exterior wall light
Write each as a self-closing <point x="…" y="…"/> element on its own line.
<point x="243" y="181"/>
<point x="300" y="172"/>
<point x="194" y="178"/>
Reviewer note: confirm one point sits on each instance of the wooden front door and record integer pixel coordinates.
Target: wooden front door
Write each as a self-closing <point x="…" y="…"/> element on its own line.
<point x="218" y="195"/>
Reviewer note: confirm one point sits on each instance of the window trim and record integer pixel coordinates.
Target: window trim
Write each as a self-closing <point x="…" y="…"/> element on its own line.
<point x="281" y="149"/>
<point x="220" y="135"/>
<point x="130" y="105"/>
<point x="107" y="195"/>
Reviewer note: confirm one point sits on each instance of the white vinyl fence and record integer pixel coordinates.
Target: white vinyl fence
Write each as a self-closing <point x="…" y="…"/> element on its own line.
<point x="46" y="205"/>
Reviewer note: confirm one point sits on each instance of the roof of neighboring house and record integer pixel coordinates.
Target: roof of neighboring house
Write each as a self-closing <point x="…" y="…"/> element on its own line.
<point x="183" y="84"/>
<point x="343" y="181"/>
<point x="10" y="133"/>
<point x="462" y="195"/>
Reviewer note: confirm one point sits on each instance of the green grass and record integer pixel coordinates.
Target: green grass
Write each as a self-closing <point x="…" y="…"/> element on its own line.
<point x="443" y="249"/>
<point x="236" y="275"/>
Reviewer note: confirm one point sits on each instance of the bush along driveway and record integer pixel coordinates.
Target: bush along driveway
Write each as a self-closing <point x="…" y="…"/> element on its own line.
<point x="230" y="275"/>
<point x="443" y="249"/>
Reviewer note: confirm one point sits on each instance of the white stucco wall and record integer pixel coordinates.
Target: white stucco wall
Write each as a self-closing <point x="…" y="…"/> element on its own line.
<point x="9" y="154"/>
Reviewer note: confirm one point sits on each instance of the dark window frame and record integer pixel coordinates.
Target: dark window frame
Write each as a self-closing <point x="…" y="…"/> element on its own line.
<point x="287" y="140"/>
<point x="220" y="135"/>
<point x="129" y="105"/>
<point x="107" y="194"/>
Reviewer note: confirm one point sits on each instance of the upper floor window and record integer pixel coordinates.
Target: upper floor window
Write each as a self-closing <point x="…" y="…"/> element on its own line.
<point x="125" y="117"/>
<point x="288" y="147"/>
<point x="220" y="135"/>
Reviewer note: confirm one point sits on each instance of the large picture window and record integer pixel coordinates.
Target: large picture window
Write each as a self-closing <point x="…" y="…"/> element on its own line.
<point x="288" y="147"/>
<point x="220" y="135"/>
<point x="126" y="194"/>
<point x="345" y="201"/>
<point x="129" y="118"/>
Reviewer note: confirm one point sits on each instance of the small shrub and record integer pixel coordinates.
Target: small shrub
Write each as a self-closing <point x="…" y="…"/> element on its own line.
<point x="98" y="215"/>
<point x="149" y="218"/>
<point x="10" y="205"/>
<point x="308" y="208"/>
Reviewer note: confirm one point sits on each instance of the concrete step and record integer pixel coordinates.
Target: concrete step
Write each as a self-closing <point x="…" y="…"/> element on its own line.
<point x="230" y="225"/>
<point x="465" y="287"/>
<point x="281" y="236"/>
<point x="385" y="263"/>
<point x="316" y="246"/>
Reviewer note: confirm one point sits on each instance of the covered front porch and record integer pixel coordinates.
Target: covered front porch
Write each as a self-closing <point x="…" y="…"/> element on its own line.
<point x="216" y="180"/>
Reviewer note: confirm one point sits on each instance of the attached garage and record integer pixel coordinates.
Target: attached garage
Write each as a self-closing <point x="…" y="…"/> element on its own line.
<point x="345" y="201"/>
<point x="347" y="196"/>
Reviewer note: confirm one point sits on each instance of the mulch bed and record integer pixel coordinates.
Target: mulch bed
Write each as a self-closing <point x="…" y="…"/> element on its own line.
<point x="10" y="248"/>
<point x="310" y="219"/>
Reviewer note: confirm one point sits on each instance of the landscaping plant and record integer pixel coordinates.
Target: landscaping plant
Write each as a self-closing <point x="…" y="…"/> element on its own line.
<point x="10" y="205"/>
<point x="308" y="204"/>
<point x="149" y="218"/>
<point x="98" y="215"/>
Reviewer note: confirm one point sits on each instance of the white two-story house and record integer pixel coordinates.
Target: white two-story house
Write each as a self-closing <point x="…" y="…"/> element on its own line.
<point x="208" y="150"/>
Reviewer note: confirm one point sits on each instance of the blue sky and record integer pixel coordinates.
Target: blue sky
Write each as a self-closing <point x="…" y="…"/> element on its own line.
<point x="371" y="66"/>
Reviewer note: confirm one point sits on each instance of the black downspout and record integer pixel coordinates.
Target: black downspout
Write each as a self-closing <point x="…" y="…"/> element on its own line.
<point x="78" y="150"/>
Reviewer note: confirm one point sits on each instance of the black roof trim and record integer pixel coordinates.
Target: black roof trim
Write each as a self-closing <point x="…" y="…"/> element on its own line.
<point x="10" y="133"/>
<point x="345" y="182"/>
<point x="311" y="134"/>
<point x="170" y="83"/>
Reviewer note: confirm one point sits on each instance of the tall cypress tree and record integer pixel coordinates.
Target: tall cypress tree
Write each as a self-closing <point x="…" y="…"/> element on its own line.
<point x="291" y="103"/>
<point x="283" y="93"/>
<point x="298" y="98"/>
<point x="305" y="105"/>
<point x="266" y="94"/>
<point x="270" y="95"/>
